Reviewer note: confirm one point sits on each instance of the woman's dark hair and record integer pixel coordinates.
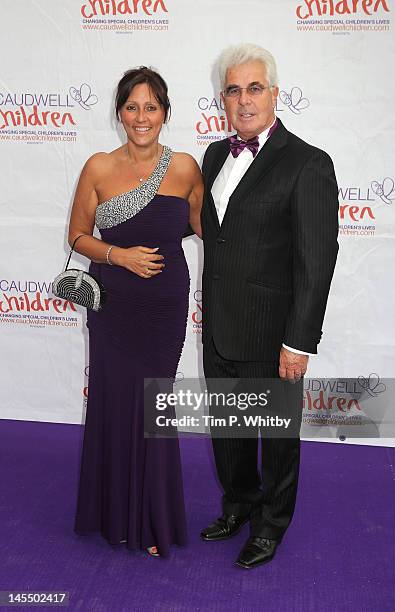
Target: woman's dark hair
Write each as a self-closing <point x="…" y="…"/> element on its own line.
<point x="136" y="76"/>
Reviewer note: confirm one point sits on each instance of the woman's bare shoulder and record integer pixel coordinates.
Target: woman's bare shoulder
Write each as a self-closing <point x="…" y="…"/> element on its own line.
<point x="101" y="162"/>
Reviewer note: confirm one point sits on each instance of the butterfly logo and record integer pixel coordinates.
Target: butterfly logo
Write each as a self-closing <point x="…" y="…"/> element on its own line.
<point x="384" y="189"/>
<point x="179" y="377"/>
<point x="294" y="100"/>
<point x="372" y="384"/>
<point x="83" y="96"/>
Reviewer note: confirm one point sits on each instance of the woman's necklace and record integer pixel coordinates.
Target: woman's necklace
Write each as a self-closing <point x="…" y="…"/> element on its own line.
<point x="151" y="166"/>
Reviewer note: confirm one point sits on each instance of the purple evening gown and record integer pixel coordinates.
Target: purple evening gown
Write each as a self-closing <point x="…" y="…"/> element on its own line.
<point x="130" y="486"/>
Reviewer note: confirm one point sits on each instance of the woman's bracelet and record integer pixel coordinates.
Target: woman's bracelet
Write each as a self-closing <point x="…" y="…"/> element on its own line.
<point x="108" y="255"/>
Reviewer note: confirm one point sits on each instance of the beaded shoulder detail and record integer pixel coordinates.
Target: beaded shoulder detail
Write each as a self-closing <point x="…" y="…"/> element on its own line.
<point x="126" y="205"/>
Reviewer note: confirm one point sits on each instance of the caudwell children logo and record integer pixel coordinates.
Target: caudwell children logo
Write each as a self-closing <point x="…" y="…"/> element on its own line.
<point x="196" y="310"/>
<point x="294" y="100"/>
<point x="212" y="122"/>
<point x="83" y="96"/>
<point x="372" y="384"/>
<point x="332" y="402"/>
<point x="360" y="403"/>
<point x="334" y="395"/>
<point x="342" y="16"/>
<point x="360" y="208"/>
<point x="37" y="117"/>
<point x="31" y="302"/>
<point x="385" y="190"/>
<point x="125" y="16"/>
<point x="85" y="388"/>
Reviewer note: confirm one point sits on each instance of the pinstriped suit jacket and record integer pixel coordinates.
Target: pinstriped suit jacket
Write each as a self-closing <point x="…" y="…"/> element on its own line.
<point x="269" y="266"/>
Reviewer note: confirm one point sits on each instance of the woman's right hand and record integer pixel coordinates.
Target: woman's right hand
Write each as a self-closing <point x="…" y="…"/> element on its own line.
<point x="143" y="261"/>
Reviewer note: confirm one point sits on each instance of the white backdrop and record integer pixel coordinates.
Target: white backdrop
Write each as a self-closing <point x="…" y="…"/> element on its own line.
<point x="60" y="63"/>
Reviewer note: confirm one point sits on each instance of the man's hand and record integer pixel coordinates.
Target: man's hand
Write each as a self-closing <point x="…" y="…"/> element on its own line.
<point x="292" y="365"/>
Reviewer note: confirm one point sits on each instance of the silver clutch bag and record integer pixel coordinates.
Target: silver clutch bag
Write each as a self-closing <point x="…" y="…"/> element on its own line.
<point x="79" y="287"/>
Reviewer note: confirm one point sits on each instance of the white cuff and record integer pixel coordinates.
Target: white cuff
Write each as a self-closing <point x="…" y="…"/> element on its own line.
<point x="293" y="350"/>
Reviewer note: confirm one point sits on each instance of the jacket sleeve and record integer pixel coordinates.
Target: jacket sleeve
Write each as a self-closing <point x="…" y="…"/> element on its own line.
<point x="206" y="159"/>
<point x="188" y="232"/>
<point x="314" y="250"/>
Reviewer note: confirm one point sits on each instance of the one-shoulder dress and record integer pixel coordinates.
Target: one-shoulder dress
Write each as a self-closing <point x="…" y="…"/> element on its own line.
<point x="130" y="486"/>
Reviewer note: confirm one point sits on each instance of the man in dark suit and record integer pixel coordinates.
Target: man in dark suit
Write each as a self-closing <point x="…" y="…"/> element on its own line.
<point x="270" y="224"/>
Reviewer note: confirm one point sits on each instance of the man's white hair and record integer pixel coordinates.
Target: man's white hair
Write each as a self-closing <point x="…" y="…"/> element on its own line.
<point x="243" y="53"/>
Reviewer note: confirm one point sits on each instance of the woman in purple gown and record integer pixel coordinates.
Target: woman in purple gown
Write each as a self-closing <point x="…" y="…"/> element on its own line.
<point x="141" y="197"/>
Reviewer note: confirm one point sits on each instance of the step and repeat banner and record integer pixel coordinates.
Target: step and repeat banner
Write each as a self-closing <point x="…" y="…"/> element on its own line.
<point x="60" y="63"/>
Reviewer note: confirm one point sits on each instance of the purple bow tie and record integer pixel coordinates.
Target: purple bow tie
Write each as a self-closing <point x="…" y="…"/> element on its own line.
<point x="237" y="145"/>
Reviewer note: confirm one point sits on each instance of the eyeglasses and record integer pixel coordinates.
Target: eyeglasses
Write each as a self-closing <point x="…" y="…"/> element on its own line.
<point x="255" y="89"/>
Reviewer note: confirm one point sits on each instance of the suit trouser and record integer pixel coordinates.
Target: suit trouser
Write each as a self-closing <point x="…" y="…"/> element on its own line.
<point x="269" y="495"/>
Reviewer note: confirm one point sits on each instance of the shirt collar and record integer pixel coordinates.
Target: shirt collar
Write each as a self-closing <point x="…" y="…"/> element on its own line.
<point x="263" y="135"/>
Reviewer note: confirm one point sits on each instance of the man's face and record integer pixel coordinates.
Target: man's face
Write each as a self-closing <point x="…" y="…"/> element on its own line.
<point x="249" y="114"/>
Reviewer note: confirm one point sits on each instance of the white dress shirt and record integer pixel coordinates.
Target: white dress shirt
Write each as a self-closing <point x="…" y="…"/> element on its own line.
<point x="227" y="180"/>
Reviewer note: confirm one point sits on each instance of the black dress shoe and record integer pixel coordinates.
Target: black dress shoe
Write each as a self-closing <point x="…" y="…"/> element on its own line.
<point x="257" y="551"/>
<point x="224" y="527"/>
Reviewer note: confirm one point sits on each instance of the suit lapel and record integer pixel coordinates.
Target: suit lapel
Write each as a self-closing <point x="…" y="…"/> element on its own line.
<point x="214" y="170"/>
<point x="270" y="154"/>
<point x="218" y="162"/>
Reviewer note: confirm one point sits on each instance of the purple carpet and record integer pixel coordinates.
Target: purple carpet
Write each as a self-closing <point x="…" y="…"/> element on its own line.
<point x="337" y="555"/>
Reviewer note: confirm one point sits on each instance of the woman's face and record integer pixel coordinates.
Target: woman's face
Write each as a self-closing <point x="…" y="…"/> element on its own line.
<point x="142" y="116"/>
